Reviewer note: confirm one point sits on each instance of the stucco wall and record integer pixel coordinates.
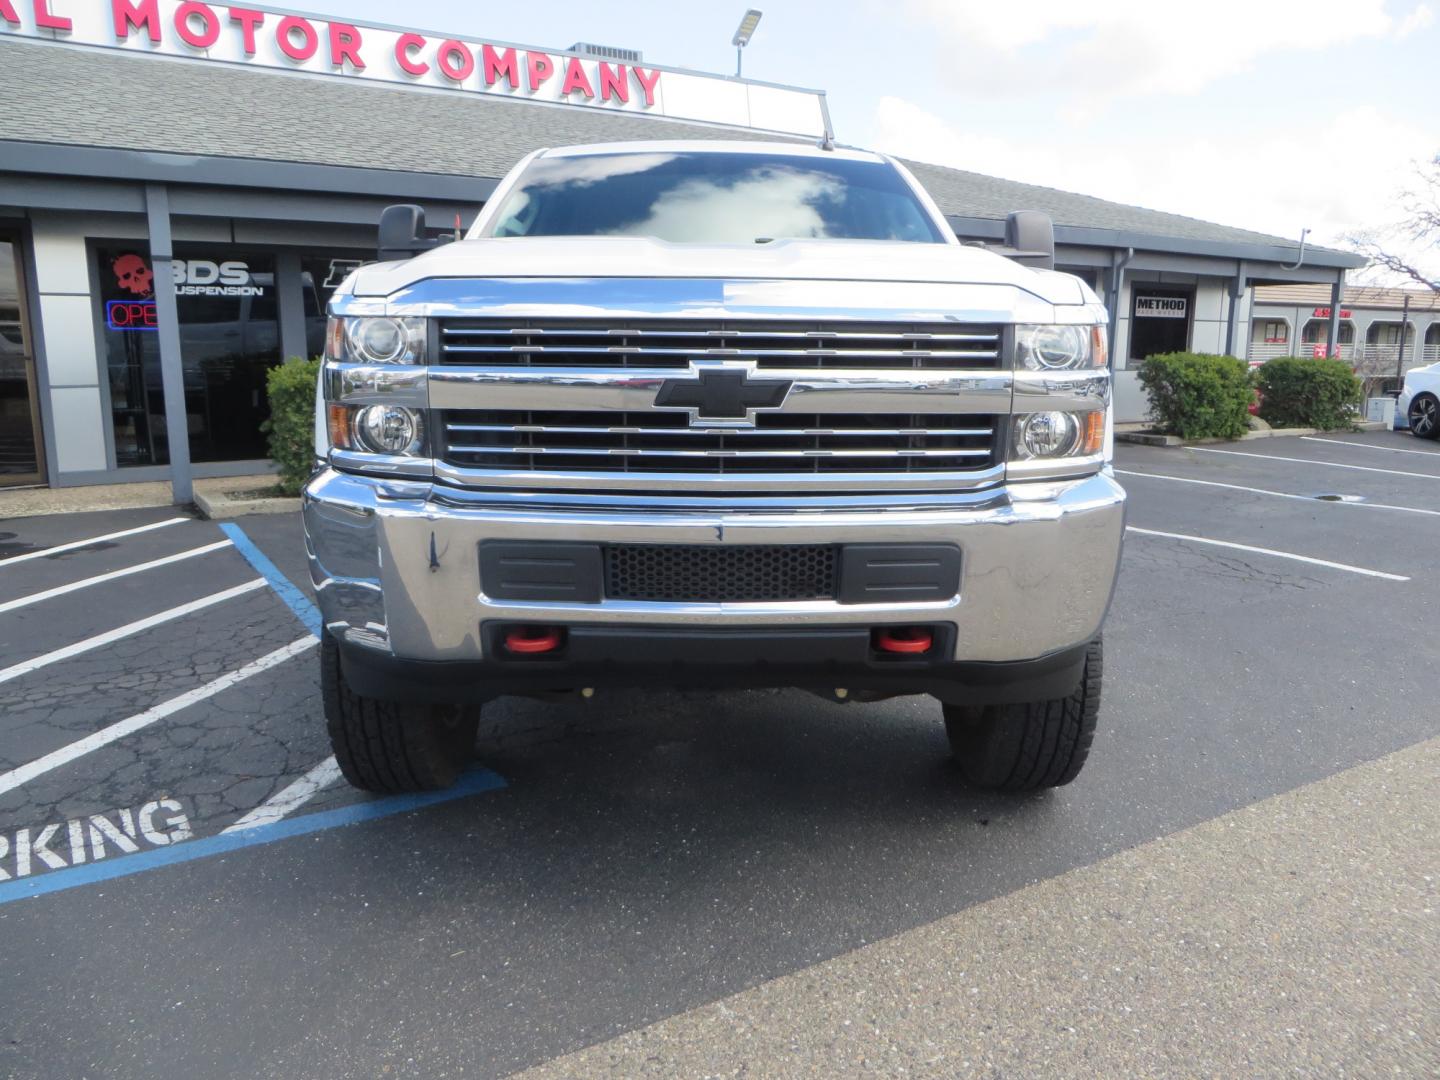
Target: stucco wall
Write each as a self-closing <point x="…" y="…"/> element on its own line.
<point x="1208" y="328"/>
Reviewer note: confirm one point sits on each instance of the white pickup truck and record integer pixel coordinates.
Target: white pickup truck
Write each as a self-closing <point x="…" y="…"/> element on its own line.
<point x="720" y="415"/>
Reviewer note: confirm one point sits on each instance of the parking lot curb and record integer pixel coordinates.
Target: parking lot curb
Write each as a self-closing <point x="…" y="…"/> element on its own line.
<point x="1145" y="438"/>
<point x="1149" y="438"/>
<point x="220" y="507"/>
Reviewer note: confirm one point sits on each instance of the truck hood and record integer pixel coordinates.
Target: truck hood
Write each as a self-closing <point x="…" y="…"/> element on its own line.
<point x="781" y="260"/>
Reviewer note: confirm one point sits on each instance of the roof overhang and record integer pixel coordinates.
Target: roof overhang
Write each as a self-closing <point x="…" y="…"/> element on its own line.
<point x="1321" y="264"/>
<point x="111" y="163"/>
<point x="1263" y="262"/>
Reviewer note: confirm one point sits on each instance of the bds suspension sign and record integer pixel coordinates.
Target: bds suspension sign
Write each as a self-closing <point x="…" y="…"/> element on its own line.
<point x="270" y="38"/>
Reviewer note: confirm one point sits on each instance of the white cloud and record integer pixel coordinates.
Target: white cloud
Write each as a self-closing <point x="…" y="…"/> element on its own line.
<point x="1419" y="19"/>
<point x="1108" y="49"/>
<point x="1306" y="175"/>
<point x="765" y="202"/>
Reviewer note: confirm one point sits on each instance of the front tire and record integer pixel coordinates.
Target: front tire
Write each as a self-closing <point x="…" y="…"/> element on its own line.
<point x="1035" y="745"/>
<point x="1424" y="416"/>
<point x="388" y="746"/>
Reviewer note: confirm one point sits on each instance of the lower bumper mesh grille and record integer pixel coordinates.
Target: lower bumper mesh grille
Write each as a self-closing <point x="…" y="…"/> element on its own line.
<point x="706" y="573"/>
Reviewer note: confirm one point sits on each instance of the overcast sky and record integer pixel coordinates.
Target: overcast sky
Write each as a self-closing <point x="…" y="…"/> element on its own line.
<point x="1273" y="115"/>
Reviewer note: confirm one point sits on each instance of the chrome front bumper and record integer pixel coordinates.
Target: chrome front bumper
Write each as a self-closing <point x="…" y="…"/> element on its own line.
<point x="396" y="563"/>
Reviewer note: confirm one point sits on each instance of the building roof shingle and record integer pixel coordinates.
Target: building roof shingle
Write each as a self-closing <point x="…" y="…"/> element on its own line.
<point x="1357" y="296"/>
<point x="90" y="97"/>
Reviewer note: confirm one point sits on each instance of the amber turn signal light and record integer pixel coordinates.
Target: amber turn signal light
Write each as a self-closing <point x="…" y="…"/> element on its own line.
<point x="1092" y="433"/>
<point x="337" y="422"/>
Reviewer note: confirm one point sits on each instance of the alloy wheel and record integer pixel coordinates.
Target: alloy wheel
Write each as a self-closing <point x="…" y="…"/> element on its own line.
<point x="1423" y="416"/>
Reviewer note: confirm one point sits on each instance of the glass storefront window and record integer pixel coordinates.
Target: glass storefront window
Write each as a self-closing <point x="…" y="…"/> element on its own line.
<point x="229" y="339"/>
<point x="228" y="303"/>
<point x="132" y="355"/>
<point x="320" y="276"/>
<point x="19" y="418"/>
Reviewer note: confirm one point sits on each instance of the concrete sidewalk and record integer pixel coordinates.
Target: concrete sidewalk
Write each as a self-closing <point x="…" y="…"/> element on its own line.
<point x="37" y="501"/>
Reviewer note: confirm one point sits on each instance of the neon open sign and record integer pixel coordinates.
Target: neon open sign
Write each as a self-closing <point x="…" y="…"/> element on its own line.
<point x="130" y="315"/>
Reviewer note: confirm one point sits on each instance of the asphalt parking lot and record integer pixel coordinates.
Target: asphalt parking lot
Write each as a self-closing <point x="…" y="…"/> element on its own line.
<point x="186" y="890"/>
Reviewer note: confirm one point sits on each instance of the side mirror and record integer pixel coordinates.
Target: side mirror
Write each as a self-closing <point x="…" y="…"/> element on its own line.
<point x="402" y="232"/>
<point x="1030" y="238"/>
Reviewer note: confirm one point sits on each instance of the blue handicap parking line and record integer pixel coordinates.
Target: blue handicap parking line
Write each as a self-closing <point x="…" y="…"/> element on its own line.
<point x="296" y="600"/>
<point x="471" y="783"/>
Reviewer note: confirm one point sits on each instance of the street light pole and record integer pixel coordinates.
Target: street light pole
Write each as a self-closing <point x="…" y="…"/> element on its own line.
<point x="1404" y="329"/>
<point x="743" y="33"/>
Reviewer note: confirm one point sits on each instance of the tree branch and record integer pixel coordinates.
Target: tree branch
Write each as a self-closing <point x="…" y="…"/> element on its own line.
<point x="1418" y="232"/>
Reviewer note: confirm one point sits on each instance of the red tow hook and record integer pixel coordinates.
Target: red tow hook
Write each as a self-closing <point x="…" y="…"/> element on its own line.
<point x="532" y="639"/>
<point x="903" y="639"/>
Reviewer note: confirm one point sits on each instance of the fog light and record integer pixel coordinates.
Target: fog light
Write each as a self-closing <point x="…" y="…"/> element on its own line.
<point x="1046" y="434"/>
<point x="388" y="429"/>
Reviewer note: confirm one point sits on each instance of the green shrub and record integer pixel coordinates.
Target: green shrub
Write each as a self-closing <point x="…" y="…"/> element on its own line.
<point x="1301" y="392"/>
<point x="291" y="427"/>
<point x="1198" y="396"/>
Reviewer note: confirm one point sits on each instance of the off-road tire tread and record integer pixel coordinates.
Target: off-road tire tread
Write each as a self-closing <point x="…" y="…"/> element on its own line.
<point x="386" y="746"/>
<point x="1030" y="746"/>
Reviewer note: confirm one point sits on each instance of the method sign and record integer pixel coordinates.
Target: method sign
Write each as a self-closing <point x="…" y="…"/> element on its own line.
<point x="1160" y="307"/>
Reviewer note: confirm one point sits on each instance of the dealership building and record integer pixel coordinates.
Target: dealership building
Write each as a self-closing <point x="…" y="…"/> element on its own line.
<point x="182" y="186"/>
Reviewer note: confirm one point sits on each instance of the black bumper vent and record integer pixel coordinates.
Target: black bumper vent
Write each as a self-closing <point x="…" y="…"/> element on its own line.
<point x="678" y="573"/>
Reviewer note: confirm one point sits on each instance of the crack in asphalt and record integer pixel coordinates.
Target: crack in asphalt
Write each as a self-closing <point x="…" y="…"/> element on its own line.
<point x="1214" y="562"/>
<point x="222" y="756"/>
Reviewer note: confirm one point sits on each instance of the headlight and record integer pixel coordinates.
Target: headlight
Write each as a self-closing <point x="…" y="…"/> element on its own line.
<point x="374" y="339"/>
<point x="1060" y="347"/>
<point x="377" y="429"/>
<point x="388" y="429"/>
<point x="1047" y="435"/>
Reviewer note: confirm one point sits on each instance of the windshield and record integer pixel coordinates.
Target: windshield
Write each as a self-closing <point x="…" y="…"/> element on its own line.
<point x="710" y="198"/>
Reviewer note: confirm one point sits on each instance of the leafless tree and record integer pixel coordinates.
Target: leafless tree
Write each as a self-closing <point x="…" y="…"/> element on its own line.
<point x="1418" y="235"/>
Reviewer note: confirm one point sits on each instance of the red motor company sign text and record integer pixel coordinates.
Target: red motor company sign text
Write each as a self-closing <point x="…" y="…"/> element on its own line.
<point x="250" y="35"/>
<point x="342" y="47"/>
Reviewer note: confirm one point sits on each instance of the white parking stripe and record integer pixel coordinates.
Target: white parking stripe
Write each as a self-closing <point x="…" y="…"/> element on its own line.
<point x="98" y="579"/>
<point x="1370" y="446"/>
<point x="1267" y="551"/>
<point x="291" y="798"/>
<point x="93" y="540"/>
<point x="121" y="632"/>
<point x="1309" y="461"/>
<point x="1276" y="494"/>
<point x="104" y="737"/>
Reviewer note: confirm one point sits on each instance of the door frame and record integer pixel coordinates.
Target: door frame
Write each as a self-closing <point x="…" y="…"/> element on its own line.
<point x="15" y="236"/>
<point x="1161" y="289"/>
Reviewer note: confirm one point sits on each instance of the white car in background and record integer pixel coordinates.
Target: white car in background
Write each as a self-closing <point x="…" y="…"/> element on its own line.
<point x="1420" y="401"/>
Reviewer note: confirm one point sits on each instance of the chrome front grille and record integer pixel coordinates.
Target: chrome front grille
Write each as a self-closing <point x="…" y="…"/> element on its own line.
<point x="674" y="343"/>
<point x="664" y="442"/>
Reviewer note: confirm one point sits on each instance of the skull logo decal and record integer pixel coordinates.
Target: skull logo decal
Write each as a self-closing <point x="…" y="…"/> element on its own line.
<point x="133" y="275"/>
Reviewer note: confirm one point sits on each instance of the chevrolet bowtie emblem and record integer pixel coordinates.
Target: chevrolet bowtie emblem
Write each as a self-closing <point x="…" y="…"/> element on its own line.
<point x="722" y="393"/>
